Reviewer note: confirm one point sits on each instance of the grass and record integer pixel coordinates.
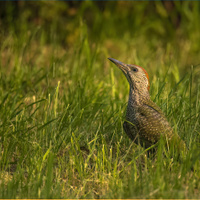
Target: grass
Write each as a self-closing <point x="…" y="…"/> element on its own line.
<point x="63" y="103"/>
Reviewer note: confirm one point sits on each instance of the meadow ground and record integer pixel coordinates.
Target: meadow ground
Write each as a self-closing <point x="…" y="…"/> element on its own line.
<point x="63" y="103"/>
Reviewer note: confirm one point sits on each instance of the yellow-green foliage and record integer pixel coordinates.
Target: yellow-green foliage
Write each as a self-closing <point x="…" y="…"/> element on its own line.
<point x="62" y="102"/>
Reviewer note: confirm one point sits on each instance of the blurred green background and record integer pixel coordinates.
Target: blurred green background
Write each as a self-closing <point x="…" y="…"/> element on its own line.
<point x="123" y="28"/>
<point x="62" y="102"/>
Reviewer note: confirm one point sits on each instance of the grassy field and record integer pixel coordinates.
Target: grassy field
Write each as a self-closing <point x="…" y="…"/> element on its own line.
<point x="62" y="102"/>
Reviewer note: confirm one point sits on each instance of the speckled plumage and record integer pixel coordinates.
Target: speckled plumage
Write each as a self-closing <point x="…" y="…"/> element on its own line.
<point x="145" y="122"/>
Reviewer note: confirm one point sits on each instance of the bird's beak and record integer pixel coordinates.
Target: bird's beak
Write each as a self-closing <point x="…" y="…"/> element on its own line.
<point x="121" y="65"/>
<point x="126" y="69"/>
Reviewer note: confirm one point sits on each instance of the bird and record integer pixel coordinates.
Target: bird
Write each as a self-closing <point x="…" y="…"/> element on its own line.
<point x="144" y="123"/>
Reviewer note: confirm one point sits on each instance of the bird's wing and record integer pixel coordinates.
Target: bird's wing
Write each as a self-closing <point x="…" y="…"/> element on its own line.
<point x="153" y="122"/>
<point x="153" y="106"/>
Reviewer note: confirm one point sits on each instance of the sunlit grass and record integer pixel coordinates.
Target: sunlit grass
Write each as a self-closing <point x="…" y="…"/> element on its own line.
<point x="62" y="108"/>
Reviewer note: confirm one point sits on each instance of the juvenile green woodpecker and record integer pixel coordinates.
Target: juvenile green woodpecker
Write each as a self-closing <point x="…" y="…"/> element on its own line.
<point x="145" y="123"/>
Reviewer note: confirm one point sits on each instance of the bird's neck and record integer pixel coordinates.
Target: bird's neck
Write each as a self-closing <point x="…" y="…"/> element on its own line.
<point x="137" y="97"/>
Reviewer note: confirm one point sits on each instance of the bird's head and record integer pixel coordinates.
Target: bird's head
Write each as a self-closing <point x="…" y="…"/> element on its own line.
<point x="136" y="75"/>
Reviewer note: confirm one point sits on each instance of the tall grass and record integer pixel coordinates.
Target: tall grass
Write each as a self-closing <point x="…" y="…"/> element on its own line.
<point x="63" y="103"/>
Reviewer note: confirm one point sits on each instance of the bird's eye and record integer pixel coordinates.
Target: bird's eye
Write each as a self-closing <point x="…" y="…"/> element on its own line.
<point x="135" y="69"/>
